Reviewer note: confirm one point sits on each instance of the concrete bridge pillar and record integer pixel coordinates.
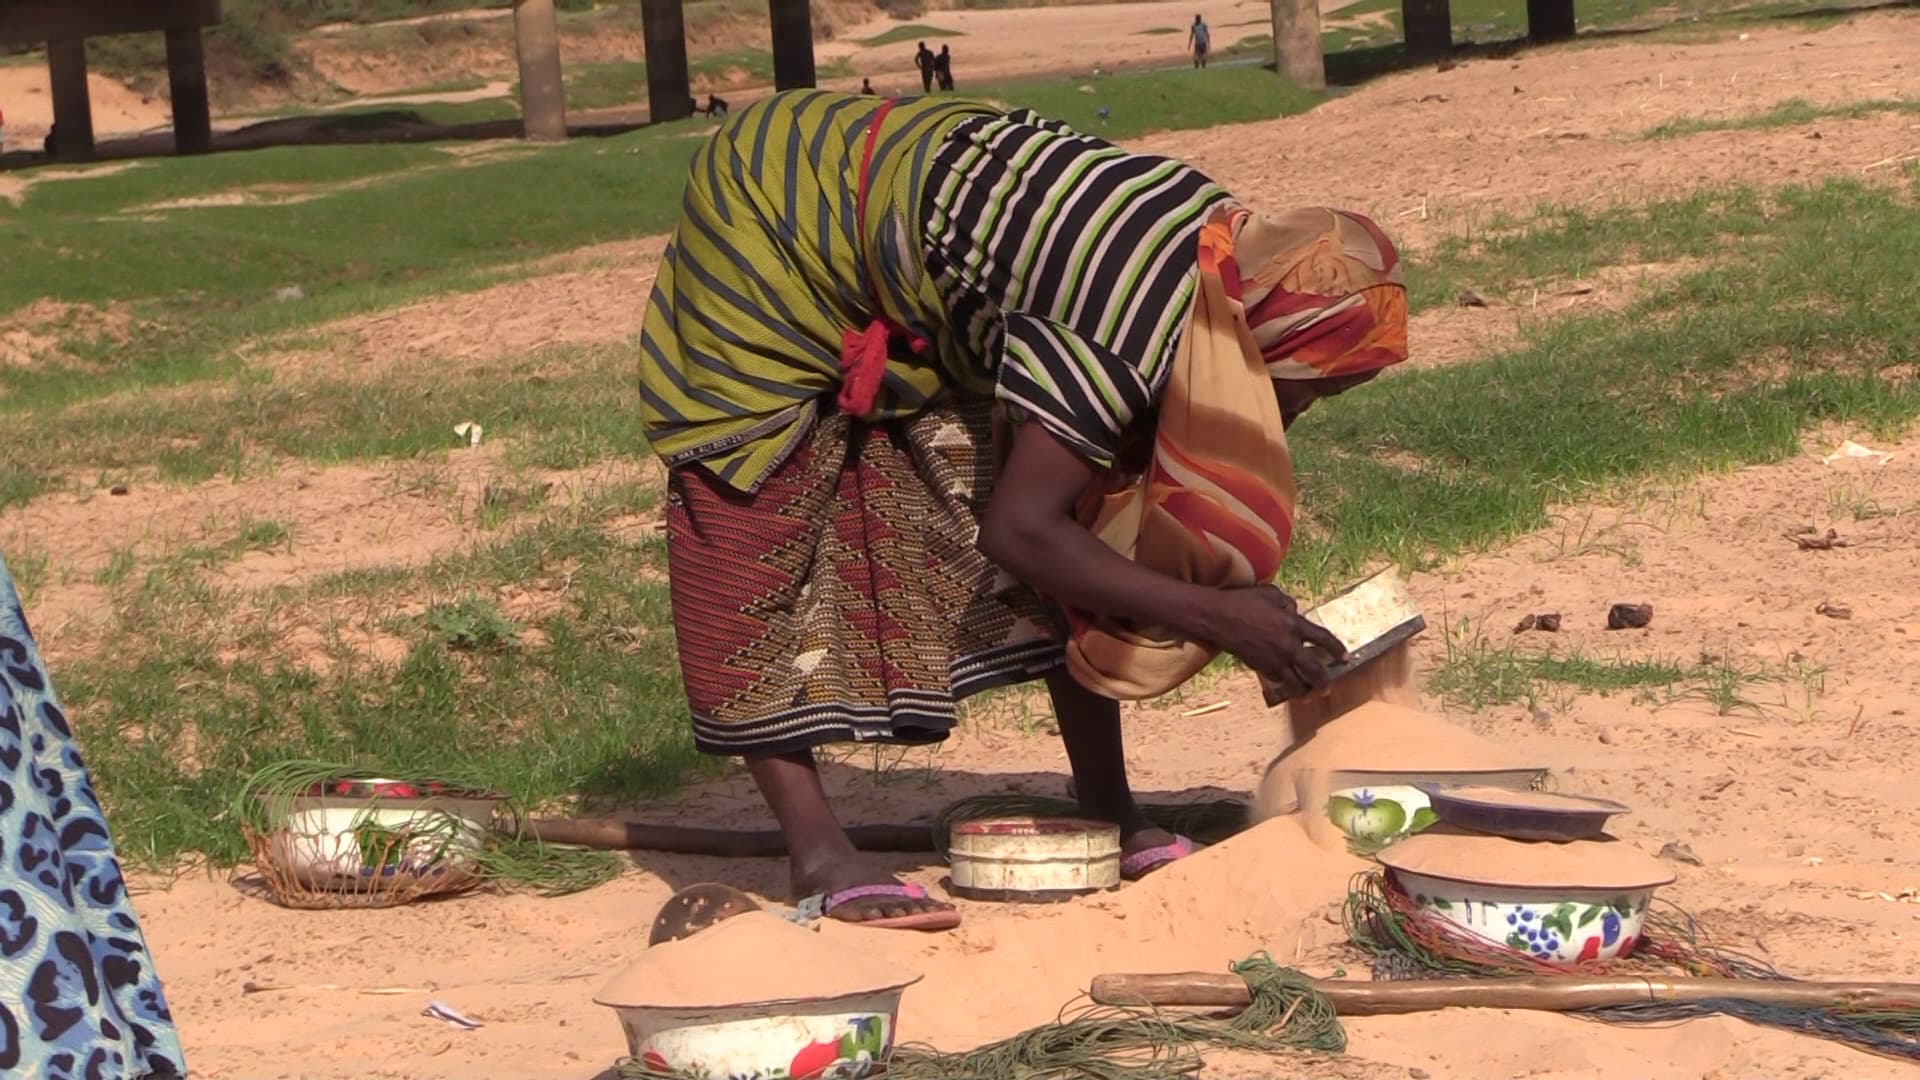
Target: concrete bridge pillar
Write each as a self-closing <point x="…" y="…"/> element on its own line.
<point x="1549" y="20"/>
<point x="792" y="44"/>
<point x="1297" y="53"/>
<point x="543" y="95"/>
<point x="1429" y="29"/>
<point x="669" y="93"/>
<point x="72" y="106"/>
<point x="187" y="83"/>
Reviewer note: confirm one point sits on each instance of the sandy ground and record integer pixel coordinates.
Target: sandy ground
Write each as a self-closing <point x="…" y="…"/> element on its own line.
<point x="28" y="102"/>
<point x="1008" y="43"/>
<point x="1442" y="151"/>
<point x="1794" y="806"/>
<point x="1794" y="811"/>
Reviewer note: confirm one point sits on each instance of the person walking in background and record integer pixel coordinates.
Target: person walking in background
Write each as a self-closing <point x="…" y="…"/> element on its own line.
<point x="943" y="68"/>
<point x="1199" y="39"/>
<point x="924" y="61"/>
<point x="866" y="86"/>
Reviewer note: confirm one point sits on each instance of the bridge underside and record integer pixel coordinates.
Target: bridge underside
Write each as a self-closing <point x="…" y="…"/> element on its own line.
<point x="65" y="26"/>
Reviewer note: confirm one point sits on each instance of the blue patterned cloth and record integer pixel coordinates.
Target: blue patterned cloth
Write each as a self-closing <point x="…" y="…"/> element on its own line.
<point x="79" y="999"/>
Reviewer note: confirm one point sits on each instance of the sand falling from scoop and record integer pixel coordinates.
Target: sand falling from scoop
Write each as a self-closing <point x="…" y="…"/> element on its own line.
<point x="1008" y="968"/>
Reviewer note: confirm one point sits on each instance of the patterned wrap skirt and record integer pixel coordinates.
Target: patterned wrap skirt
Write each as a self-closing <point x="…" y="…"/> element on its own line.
<point x="845" y="601"/>
<point x="78" y="993"/>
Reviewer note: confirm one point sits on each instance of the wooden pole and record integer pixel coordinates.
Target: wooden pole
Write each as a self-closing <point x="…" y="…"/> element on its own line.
<point x="1429" y="29"/>
<point x="792" y="44"/>
<point x="619" y="834"/>
<point x="1549" y="20"/>
<point x="72" y="103"/>
<point x="1568" y="993"/>
<point x="669" y="92"/>
<point x="543" y="96"/>
<point x="1296" y="43"/>
<point x="187" y="84"/>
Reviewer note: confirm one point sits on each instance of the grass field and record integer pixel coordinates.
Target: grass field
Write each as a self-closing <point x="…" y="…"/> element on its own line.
<point x="1801" y="305"/>
<point x="1791" y="113"/>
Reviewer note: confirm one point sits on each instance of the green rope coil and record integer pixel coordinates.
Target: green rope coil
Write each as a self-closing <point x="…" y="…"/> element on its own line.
<point x="1095" y="1042"/>
<point x="517" y="858"/>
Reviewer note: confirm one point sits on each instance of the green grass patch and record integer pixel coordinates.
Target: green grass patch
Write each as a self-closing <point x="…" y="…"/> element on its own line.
<point x="624" y="82"/>
<point x="1507" y="258"/>
<point x="591" y="190"/>
<point x="1794" y="112"/>
<point x="1477" y="675"/>
<point x="1139" y="103"/>
<point x="112" y="188"/>
<point x="210" y="277"/>
<point x="445" y="86"/>
<point x="1481" y="676"/>
<point x="900" y="35"/>
<point x="562" y="409"/>
<point x="1724" y="366"/>
<point x="603" y="86"/>
<point x="591" y="709"/>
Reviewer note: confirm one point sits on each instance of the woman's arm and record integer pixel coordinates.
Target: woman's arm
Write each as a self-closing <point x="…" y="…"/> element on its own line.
<point x="1030" y="531"/>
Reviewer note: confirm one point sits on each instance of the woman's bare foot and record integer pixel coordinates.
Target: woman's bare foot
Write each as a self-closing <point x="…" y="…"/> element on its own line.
<point x="823" y="862"/>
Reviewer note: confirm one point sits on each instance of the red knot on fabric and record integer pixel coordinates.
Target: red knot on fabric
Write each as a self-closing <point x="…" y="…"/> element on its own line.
<point x="864" y="353"/>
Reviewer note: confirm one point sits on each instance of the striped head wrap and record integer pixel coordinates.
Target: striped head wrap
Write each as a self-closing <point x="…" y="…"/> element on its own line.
<point x="1309" y="294"/>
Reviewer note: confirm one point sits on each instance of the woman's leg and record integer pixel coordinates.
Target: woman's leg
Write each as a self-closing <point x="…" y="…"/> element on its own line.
<point x="820" y="858"/>
<point x="1090" y="727"/>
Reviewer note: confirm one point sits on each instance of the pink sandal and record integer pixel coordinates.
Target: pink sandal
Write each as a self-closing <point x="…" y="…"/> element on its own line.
<point x="821" y="906"/>
<point x="1147" y="860"/>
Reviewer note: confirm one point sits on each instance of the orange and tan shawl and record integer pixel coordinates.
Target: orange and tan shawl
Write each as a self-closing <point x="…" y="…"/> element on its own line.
<point x="1310" y="294"/>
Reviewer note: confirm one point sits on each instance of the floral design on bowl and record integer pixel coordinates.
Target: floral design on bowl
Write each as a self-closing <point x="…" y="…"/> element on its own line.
<point x="802" y="1041"/>
<point x="1375" y="814"/>
<point x="1560" y="926"/>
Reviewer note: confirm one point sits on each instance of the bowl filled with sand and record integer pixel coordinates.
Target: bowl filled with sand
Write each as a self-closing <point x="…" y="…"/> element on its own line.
<point x="758" y="996"/>
<point x="1561" y="903"/>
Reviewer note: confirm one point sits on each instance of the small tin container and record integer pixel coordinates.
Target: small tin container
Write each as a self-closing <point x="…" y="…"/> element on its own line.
<point x="1027" y="859"/>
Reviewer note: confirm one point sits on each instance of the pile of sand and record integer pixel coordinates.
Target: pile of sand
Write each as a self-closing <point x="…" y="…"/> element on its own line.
<point x="727" y="964"/>
<point x="1265" y="889"/>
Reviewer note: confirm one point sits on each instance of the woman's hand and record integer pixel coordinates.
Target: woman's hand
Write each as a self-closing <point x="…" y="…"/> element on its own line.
<point x="1264" y="628"/>
<point x="1031" y="532"/>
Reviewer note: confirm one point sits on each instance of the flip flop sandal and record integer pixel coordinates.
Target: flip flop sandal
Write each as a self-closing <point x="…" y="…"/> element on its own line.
<point x="1147" y="860"/>
<point x="821" y="906"/>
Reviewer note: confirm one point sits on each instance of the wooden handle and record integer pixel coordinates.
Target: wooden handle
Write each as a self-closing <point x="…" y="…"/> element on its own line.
<point x="621" y="834"/>
<point x="1546" y="993"/>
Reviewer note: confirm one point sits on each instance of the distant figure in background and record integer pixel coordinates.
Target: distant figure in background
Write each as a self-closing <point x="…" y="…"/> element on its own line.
<point x="1199" y="39"/>
<point x="716" y="106"/>
<point x="943" y="68"/>
<point x="866" y="87"/>
<point x="924" y="61"/>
